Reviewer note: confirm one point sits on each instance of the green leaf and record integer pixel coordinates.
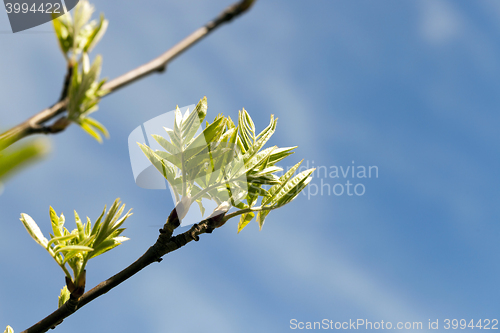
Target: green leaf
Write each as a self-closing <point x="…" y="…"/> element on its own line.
<point x="34" y="230"/>
<point x="100" y="127"/>
<point x="60" y="30"/>
<point x="273" y="191"/>
<point x="194" y="120"/>
<point x="64" y="296"/>
<point x="82" y="95"/>
<point x="176" y="140"/>
<point x="90" y="130"/>
<point x="280" y="153"/>
<point x="56" y="223"/>
<point x="79" y="248"/>
<point x="292" y="188"/>
<point x="249" y="123"/>
<point x="97" y="224"/>
<point x="246" y="139"/>
<point x="96" y="35"/>
<point x="267" y="171"/>
<point x="263" y="137"/>
<point x="112" y="221"/>
<point x="244" y="220"/>
<point x="106" y="246"/>
<point x="254" y="161"/>
<point x="160" y="164"/>
<point x="209" y="134"/>
<point x="169" y="159"/>
<point x="81" y="15"/>
<point x="169" y="147"/>
<point x="87" y="227"/>
<point x="72" y="257"/>
<point x="263" y="180"/>
<point x="255" y="190"/>
<point x="61" y="239"/>
<point x="177" y="124"/>
<point x="17" y="157"/>
<point x="240" y="144"/>
<point x="261" y="216"/>
<point x="117" y="223"/>
<point x="79" y="225"/>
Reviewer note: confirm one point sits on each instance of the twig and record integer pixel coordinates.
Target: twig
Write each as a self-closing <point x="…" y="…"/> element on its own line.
<point x="67" y="80"/>
<point x="34" y="124"/>
<point x="165" y="244"/>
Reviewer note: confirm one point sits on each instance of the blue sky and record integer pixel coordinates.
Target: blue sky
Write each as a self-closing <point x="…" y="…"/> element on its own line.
<point x="409" y="87"/>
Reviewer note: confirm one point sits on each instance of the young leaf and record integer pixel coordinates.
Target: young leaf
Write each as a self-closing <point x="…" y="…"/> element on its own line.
<point x="282" y="182"/>
<point x="261" y="216"/>
<point x="56" y="225"/>
<point x="107" y="245"/>
<point x="263" y="137"/>
<point x="100" y="127"/>
<point x="61" y="239"/>
<point x="96" y="35"/>
<point x="79" y="225"/>
<point x="166" y="144"/>
<point x="90" y="130"/>
<point x="64" y="296"/>
<point x="74" y="248"/>
<point x="244" y="220"/>
<point x="210" y="134"/>
<point x="34" y="230"/>
<point x="292" y="188"/>
<point x="194" y="120"/>
<point x="161" y="165"/>
<point x="280" y="153"/>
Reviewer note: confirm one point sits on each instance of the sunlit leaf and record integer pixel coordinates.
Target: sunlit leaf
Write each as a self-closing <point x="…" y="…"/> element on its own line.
<point x="194" y="120"/>
<point x="261" y="216"/>
<point x="273" y="191"/>
<point x="292" y="188"/>
<point x="74" y="248"/>
<point x="96" y="35"/>
<point x="34" y="230"/>
<point x="244" y="220"/>
<point x="64" y="296"/>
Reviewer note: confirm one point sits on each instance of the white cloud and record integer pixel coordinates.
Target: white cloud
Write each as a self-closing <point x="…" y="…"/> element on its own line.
<point x="440" y="21"/>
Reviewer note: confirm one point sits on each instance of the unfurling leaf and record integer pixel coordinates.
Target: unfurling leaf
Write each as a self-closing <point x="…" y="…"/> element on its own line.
<point x="34" y="230"/>
<point x="64" y="296"/>
<point x="244" y="220"/>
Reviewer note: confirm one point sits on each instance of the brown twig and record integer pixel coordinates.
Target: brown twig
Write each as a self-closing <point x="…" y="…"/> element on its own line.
<point x="166" y="243"/>
<point x="67" y="80"/>
<point x="34" y="125"/>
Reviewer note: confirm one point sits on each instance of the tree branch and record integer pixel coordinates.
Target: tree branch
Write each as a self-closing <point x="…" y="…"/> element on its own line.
<point x="165" y="244"/>
<point x="34" y="124"/>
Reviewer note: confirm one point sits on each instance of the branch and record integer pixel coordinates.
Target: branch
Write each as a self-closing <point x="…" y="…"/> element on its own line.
<point x="165" y="244"/>
<point x="34" y="125"/>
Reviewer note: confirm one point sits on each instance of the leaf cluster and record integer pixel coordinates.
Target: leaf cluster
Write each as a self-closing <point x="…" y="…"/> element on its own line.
<point x="225" y="163"/>
<point x="77" y="36"/>
<point x="85" y="92"/>
<point x="74" y="249"/>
